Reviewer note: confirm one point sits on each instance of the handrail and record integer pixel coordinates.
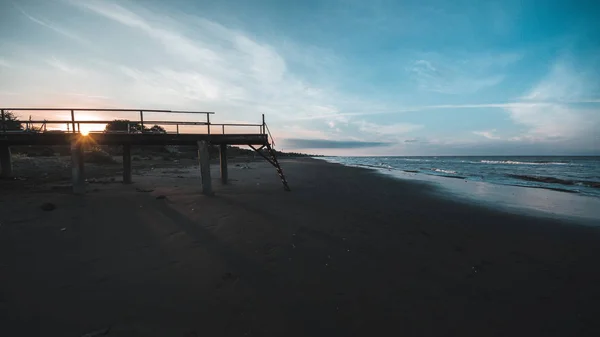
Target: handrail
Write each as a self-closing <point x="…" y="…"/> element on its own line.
<point x="111" y="121"/>
<point x="73" y="125"/>
<point x="103" y="109"/>
<point x="270" y="135"/>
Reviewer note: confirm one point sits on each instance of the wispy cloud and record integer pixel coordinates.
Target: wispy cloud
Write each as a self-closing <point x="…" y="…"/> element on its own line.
<point x="172" y="41"/>
<point x="57" y="29"/>
<point x="4" y="63"/>
<point x="64" y="66"/>
<point x="564" y="83"/>
<point x="562" y="118"/>
<point x="88" y="96"/>
<point x="396" y="129"/>
<point x="489" y="134"/>
<point x="220" y="67"/>
<point x="471" y="73"/>
<point x="330" y="144"/>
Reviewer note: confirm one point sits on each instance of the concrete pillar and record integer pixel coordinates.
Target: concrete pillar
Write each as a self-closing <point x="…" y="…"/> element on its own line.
<point x="204" y="159"/>
<point x="77" y="172"/>
<point x="127" y="164"/>
<point x="223" y="161"/>
<point x="5" y="162"/>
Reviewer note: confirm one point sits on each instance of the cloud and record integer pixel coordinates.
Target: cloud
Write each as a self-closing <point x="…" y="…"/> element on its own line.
<point x="387" y="129"/>
<point x="172" y="41"/>
<point x="205" y="62"/>
<point x="463" y="74"/>
<point x="57" y="29"/>
<point x="4" y="63"/>
<point x="564" y="83"/>
<point x="64" y="66"/>
<point x="563" y="117"/>
<point x="487" y="134"/>
<point x="296" y="143"/>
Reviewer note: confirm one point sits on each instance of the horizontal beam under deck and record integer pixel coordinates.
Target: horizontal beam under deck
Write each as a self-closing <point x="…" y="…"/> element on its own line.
<point x="133" y="139"/>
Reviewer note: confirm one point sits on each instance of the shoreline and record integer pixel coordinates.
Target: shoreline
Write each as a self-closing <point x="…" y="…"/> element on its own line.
<point x="563" y="181"/>
<point x="346" y="252"/>
<point x="546" y="202"/>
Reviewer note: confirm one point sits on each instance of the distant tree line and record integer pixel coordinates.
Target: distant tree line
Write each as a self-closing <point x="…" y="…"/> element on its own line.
<point x="11" y="122"/>
<point x="125" y="125"/>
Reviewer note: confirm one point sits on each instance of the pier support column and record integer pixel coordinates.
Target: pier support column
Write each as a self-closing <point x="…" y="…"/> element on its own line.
<point x="5" y="162"/>
<point x="77" y="171"/>
<point x="127" y="164"/>
<point x="204" y="159"/>
<point x="223" y="161"/>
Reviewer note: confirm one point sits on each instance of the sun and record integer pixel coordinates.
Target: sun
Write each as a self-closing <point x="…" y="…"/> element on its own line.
<point x="85" y="129"/>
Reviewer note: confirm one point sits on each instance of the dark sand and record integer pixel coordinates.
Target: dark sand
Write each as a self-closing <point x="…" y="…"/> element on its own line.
<point x="346" y="253"/>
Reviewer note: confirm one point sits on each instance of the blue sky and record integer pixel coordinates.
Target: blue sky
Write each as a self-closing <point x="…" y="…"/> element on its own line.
<point x="333" y="77"/>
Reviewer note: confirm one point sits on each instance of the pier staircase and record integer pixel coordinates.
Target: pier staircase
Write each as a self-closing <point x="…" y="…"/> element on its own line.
<point x="272" y="157"/>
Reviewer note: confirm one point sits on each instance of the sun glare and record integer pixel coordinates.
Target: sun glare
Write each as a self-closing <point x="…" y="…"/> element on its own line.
<point x="85" y="128"/>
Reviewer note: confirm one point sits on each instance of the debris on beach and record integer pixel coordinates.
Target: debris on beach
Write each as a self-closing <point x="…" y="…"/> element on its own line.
<point x="101" y="332"/>
<point x="48" y="206"/>
<point x="160" y="197"/>
<point x="144" y="190"/>
<point x="63" y="229"/>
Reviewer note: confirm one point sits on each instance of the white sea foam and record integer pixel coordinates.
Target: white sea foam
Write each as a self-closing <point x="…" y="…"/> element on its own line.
<point x="510" y="162"/>
<point x="444" y="171"/>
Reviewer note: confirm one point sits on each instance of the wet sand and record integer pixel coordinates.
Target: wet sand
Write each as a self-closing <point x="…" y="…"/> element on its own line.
<point x="347" y="253"/>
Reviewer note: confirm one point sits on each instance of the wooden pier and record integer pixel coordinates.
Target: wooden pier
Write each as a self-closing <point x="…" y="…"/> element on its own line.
<point x="35" y="132"/>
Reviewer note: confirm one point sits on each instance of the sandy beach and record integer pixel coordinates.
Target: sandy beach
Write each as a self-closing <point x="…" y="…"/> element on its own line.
<point x="348" y="252"/>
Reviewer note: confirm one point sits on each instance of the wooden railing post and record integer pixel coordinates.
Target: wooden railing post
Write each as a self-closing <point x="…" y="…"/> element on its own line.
<point x="208" y="122"/>
<point x="142" y="120"/>
<point x="73" y="120"/>
<point x="3" y="122"/>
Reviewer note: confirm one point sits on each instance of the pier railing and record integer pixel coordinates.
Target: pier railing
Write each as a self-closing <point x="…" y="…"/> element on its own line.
<point x="133" y="126"/>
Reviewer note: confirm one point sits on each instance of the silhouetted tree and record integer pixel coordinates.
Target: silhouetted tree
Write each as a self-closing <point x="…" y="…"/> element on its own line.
<point x="157" y="129"/>
<point x="11" y="122"/>
<point x="121" y="125"/>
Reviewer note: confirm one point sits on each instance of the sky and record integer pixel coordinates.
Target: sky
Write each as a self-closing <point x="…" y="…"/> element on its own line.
<point x="332" y="77"/>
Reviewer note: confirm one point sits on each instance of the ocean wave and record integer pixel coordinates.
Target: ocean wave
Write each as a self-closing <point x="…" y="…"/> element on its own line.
<point x="552" y="180"/>
<point x="443" y="171"/>
<point x="415" y="159"/>
<point x="380" y="166"/>
<point x="510" y="162"/>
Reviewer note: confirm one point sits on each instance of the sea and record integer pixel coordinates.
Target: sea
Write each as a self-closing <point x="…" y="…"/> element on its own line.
<point x="577" y="175"/>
